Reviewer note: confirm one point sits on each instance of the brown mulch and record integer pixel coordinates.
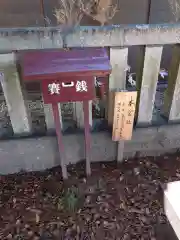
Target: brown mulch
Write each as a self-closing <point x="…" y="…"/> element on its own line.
<point x="119" y="202"/>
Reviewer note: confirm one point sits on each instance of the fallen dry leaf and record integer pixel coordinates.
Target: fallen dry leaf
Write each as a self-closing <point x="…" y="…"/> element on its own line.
<point x="124" y="202"/>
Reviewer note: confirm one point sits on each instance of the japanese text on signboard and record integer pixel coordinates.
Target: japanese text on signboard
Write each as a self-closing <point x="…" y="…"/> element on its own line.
<point x="124" y="110"/>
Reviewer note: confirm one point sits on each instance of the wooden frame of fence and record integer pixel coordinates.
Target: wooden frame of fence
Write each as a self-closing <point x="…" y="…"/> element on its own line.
<point x="118" y="38"/>
<point x="90" y="36"/>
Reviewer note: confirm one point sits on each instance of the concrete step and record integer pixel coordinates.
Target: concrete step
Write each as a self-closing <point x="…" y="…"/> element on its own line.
<point x="172" y="206"/>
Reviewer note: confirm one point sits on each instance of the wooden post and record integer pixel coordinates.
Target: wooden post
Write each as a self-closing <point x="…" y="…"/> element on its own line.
<point x="151" y="68"/>
<point x="18" y="111"/>
<point x="60" y="139"/>
<point x="172" y="94"/>
<point x="139" y="73"/>
<point x="48" y="112"/>
<point x="117" y="82"/>
<point x="87" y="137"/>
<point x="79" y="115"/>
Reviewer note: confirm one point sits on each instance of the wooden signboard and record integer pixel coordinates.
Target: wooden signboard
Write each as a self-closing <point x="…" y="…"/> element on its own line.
<point x="67" y="76"/>
<point x="124" y="111"/>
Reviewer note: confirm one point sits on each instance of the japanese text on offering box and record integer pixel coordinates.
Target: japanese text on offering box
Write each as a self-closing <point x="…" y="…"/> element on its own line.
<point x="69" y="89"/>
<point x="124" y="111"/>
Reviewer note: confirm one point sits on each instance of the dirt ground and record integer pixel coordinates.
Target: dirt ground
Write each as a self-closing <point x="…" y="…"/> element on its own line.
<point x="122" y="202"/>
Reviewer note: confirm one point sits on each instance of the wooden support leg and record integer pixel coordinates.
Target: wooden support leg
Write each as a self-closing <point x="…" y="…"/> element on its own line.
<point x="60" y="139"/>
<point x="87" y="137"/>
